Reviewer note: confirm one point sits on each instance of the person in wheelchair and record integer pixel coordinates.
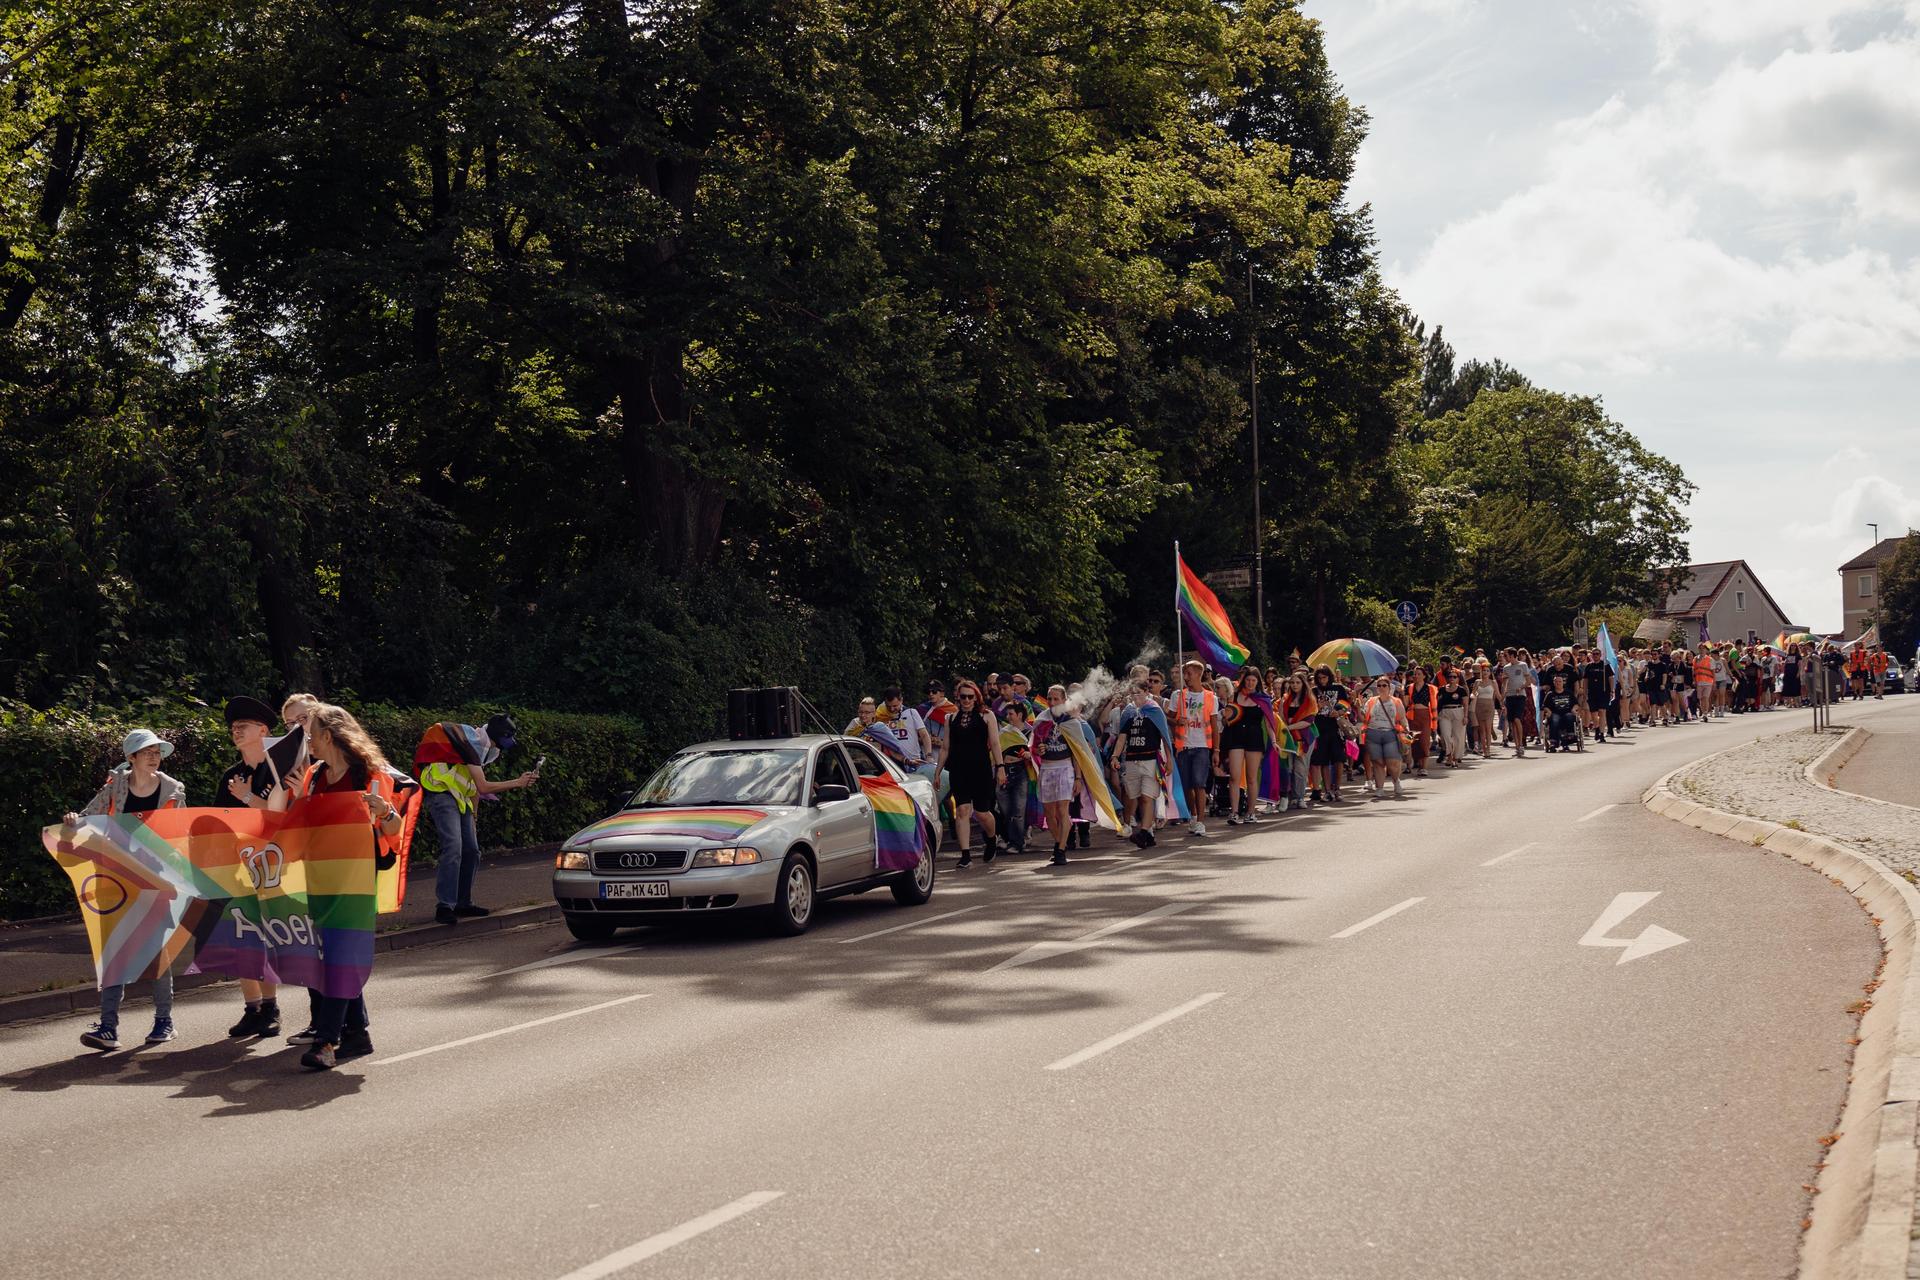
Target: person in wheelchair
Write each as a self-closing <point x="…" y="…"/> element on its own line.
<point x="1557" y="705"/>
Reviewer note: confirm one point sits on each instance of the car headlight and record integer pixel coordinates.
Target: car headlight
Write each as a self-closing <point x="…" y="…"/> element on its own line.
<point x="738" y="855"/>
<point x="570" y="860"/>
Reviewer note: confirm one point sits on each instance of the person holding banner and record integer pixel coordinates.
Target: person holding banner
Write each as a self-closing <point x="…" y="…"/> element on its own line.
<point x="250" y="783"/>
<point x="345" y="758"/>
<point x="136" y="786"/>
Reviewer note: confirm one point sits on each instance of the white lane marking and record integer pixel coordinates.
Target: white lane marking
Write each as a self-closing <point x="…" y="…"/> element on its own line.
<point x="1127" y="864"/>
<point x="1119" y="1038"/>
<point x="1048" y="950"/>
<point x="911" y="924"/>
<point x="1596" y="813"/>
<point x="570" y="957"/>
<point x="667" y="1239"/>
<point x="504" y="1031"/>
<point x="1652" y="938"/>
<point x="1371" y="921"/>
<point x="1511" y="853"/>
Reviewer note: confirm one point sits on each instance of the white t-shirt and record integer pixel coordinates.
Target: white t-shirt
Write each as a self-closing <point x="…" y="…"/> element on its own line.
<point x="1194" y="733"/>
<point x="906" y="729"/>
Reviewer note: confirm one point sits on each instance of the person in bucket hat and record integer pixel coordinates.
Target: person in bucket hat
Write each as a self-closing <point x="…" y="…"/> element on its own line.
<point x="134" y="786"/>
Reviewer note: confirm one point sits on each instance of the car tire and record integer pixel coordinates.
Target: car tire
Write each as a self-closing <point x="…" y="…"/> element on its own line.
<point x="795" y="897"/>
<point x="589" y="928"/>
<point x="914" y="888"/>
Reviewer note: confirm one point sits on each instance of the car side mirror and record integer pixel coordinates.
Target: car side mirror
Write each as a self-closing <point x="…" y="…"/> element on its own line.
<point x="828" y="792"/>
<point x="618" y="797"/>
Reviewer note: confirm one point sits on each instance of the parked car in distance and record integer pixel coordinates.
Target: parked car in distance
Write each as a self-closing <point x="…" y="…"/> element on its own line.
<point x="769" y="825"/>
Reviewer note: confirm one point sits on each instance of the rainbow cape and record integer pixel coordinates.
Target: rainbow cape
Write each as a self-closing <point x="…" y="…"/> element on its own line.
<point x="1086" y="764"/>
<point x="899" y="830"/>
<point x="1173" y="797"/>
<point x="453" y="744"/>
<point x="877" y="735"/>
<point x="714" y="825"/>
<point x="1206" y="620"/>
<point x="1281" y="744"/>
<point x="246" y="893"/>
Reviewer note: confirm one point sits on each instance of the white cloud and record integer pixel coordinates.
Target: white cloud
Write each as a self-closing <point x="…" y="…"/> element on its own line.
<point x="1732" y="22"/>
<point x="1866" y="498"/>
<point x="1615" y="258"/>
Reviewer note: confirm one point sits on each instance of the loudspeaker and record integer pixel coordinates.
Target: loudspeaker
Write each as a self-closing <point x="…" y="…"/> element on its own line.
<point x="763" y="713"/>
<point x="742" y="719"/>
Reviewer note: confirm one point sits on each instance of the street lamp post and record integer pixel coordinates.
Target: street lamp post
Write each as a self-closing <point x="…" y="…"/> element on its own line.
<point x="1253" y="400"/>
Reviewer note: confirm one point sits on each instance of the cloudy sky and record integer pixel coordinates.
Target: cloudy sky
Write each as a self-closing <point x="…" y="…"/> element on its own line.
<point x="1707" y="212"/>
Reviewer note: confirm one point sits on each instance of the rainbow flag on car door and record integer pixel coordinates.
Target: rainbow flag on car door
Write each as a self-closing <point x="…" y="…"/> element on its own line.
<point x="899" y="832"/>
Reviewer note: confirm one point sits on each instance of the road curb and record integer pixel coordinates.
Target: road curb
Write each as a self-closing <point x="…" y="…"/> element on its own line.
<point x="82" y="998"/>
<point x="1862" y="1221"/>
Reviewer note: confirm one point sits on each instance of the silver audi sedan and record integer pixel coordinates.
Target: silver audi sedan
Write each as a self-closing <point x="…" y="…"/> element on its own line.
<point x="770" y="825"/>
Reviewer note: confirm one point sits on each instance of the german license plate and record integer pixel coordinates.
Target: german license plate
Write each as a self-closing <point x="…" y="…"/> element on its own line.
<point x="633" y="889"/>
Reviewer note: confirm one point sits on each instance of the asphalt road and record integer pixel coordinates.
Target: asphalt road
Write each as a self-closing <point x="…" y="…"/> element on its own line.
<point x="1459" y="1088"/>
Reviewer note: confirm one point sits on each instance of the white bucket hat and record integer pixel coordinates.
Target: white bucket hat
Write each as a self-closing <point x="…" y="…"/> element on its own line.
<point x="141" y="739"/>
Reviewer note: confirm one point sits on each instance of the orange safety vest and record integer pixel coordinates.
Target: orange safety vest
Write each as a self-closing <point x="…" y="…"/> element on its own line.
<point x="1877" y="663"/>
<point x="1209" y="713"/>
<point x="1703" y="670"/>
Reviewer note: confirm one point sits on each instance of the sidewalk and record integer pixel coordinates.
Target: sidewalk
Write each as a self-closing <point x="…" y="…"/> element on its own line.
<point x="1888" y="767"/>
<point x="54" y="955"/>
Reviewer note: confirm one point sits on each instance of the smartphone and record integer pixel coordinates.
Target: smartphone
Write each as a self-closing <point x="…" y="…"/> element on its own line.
<point x="537" y="763"/>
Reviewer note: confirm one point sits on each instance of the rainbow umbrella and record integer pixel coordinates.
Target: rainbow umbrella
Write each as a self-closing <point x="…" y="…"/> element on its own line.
<point x="1786" y="638"/>
<point x="1354" y="657"/>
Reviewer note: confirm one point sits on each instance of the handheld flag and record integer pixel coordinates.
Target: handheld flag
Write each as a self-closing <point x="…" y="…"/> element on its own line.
<point x="1206" y="621"/>
<point x="1606" y="648"/>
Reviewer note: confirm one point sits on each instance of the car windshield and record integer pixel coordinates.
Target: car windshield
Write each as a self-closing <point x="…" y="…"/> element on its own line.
<point x="746" y="776"/>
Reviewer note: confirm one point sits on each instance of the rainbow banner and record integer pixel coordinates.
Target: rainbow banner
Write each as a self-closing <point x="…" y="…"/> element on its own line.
<point x="246" y="893"/>
<point x="1206" y="621"/>
<point x="899" y="832"/>
<point x="717" y="826"/>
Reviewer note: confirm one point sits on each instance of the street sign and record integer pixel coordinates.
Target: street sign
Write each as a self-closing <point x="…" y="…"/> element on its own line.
<point x="1580" y="624"/>
<point x="1230" y="579"/>
<point x="1407" y="611"/>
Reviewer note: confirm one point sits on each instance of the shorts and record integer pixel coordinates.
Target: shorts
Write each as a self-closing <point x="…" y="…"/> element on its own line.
<point x="1056" y="781"/>
<point x="1516" y="708"/>
<point x="1195" y="767"/>
<point x="974" y="787"/>
<point x="1140" y="779"/>
<point x="1657" y="697"/>
<point x="1382" y="745"/>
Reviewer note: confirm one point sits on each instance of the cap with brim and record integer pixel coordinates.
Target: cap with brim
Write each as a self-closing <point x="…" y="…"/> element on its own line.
<point x="140" y="739"/>
<point x="250" y="709"/>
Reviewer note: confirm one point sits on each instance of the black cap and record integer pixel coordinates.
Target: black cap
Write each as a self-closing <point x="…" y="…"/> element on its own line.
<point x="501" y="732"/>
<point x="244" y="708"/>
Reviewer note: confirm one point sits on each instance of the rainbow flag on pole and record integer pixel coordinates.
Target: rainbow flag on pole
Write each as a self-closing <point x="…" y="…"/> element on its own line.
<point x="899" y="832"/>
<point x="1206" y="621"/>
<point x="279" y="897"/>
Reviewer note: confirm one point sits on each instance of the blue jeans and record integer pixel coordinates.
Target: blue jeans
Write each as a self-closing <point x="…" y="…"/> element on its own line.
<point x="459" y="850"/>
<point x="110" y="998"/>
<point x="1013" y="807"/>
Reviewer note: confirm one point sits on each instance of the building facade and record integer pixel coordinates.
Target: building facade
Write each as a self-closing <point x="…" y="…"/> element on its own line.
<point x="1726" y="597"/>
<point x="1860" y="587"/>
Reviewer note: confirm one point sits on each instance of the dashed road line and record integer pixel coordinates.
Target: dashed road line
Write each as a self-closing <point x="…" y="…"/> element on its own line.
<point x="1139" y="1029"/>
<point x="570" y="957"/>
<point x="1596" y="813"/>
<point x="1511" y="853"/>
<point x="615" y="1262"/>
<point x="911" y="924"/>
<point x="1049" y="950"/>
<point x="1371" y="921"/>
<point x="506" y="1031"/>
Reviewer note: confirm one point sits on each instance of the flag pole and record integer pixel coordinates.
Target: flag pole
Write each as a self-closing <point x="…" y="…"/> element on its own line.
<point x="1179" y="680"/>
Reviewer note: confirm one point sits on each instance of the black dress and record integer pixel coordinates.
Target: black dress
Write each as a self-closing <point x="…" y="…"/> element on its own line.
<point x="969" y="761"/>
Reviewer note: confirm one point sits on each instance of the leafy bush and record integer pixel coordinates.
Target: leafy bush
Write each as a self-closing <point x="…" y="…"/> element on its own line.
<point x="53" y="762"/>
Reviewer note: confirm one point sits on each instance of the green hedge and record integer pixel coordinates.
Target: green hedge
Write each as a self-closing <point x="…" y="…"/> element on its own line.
<point x="51" y="763"/>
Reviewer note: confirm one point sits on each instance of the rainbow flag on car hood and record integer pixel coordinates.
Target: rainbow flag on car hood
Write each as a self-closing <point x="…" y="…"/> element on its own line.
<point x="246" y="893"/>
<point x="713" y="824"/>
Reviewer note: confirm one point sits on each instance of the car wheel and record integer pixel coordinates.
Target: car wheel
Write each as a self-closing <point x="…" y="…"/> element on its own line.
<point x="589" y="928"/>
<point x="914" y="887"/>
<point x="793" y="897"/>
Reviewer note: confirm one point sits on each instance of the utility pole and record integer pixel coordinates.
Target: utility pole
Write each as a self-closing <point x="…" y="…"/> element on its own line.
<point x="1253" y="399"/>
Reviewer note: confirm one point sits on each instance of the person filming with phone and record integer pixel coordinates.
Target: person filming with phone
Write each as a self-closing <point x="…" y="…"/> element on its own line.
<point x="451" y="762"/>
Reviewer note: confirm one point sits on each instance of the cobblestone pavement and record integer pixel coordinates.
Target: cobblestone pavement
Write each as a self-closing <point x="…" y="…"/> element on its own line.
<point x="1767" y="779"/>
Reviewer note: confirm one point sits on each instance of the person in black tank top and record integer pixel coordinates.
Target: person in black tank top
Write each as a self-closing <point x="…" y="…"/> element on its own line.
<point x="970" y="755"/>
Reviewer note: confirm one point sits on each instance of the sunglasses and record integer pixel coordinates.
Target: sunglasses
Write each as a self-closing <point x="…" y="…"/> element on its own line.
<point x="966" y="697"/>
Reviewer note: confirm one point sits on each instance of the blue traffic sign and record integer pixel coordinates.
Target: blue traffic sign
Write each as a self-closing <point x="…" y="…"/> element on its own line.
<point x="1407" y="611"/>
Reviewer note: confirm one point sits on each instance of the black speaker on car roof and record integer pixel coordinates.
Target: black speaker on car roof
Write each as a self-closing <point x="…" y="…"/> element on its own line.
<point x="763" y="713"/>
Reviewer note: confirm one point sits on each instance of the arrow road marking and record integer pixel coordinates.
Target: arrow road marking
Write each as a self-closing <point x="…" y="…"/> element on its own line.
<point x="1652" y="938"/>
<point x="1048" y="950"/>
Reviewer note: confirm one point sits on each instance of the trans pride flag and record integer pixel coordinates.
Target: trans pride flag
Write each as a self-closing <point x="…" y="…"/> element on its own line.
<point x="278" y="897"/>
<point x="899" y="832"/>
<point x="1206" y="621"/>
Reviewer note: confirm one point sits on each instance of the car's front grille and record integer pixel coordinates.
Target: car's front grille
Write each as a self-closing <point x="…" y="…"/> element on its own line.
<point x="639" y="862"/>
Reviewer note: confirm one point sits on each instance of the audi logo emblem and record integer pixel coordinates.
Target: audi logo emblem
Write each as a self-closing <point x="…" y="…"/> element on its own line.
<point x="636" y="861"/>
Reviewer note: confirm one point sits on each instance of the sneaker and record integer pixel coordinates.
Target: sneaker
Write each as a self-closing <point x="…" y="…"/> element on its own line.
<point x="100" y="1036"/>
<point x="991" y="852"/>
<point x="1152" y="840"/>
<point x="307" y="1035"/>
<point x="471" y="912"/>
<point x="318" y="1058"/>
<point x="1196" y="828"/>
<point x="1059" y="856"/>
<point x="249" y="1024"/>
<point x="966" y="860"/>
<point x="1234" y="820"/>
<point x="162" y="1031"/>
<point x="1253" y="817"/>
<point x="1140" y="839"/>
<point x="354" y="1044"/>
<point x="1398" y="794"/>
<point x="445" y="915"/>
<point x="1419" y="773"/>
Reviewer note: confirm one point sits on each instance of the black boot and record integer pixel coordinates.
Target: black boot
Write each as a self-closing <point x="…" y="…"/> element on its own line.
<point x="1059" y="855"/>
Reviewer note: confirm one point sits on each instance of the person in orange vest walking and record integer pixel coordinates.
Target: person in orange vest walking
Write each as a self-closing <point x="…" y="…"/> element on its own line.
<point x="1877" y="669"/>
<point x="137" y="786"/>
<point x="1196" y="736"/>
